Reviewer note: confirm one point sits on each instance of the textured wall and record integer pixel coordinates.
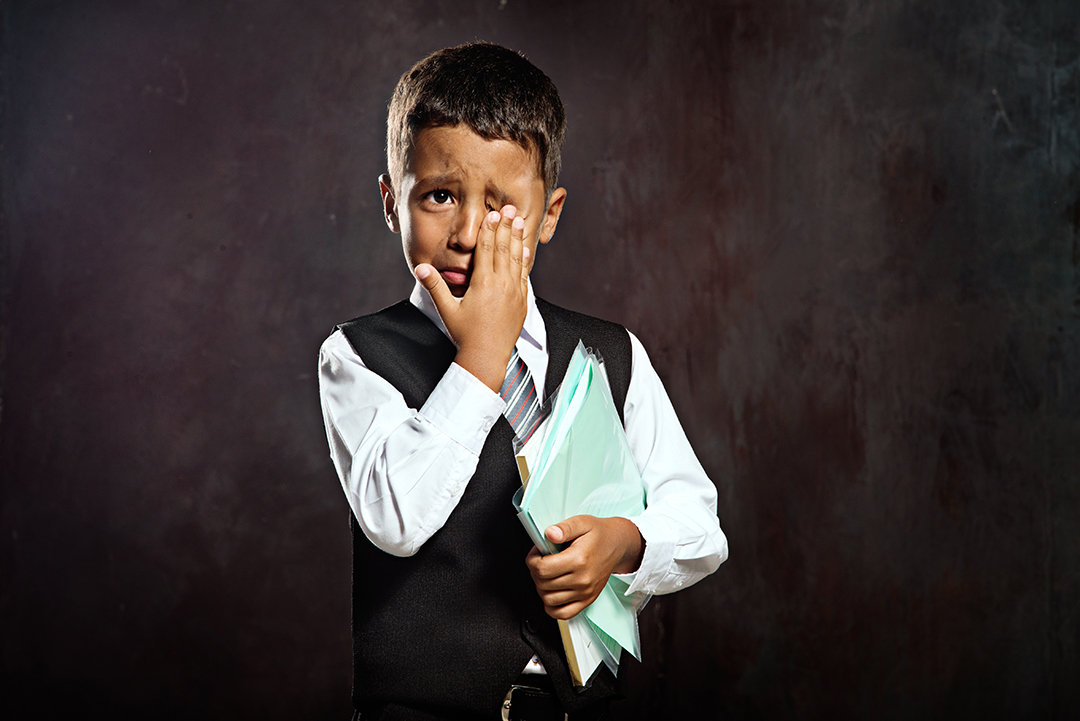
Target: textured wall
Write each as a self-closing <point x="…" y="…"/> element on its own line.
<point x="848" y="232"/>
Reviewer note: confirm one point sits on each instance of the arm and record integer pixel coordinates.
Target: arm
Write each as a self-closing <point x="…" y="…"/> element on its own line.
<point x="684" y="542"/>
<point x="403" y="470"/>
<point x="679" y="534"/>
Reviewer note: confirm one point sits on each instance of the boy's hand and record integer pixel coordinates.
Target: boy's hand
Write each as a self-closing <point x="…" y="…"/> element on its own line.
<point x="485" y="323"/>
<point x="570" y="580"/>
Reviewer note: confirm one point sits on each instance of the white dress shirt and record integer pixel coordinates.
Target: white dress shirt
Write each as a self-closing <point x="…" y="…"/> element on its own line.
<point x="405" y="469"/>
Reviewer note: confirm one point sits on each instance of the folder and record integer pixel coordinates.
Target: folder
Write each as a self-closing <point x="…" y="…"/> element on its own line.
<point x="579" y="462"/>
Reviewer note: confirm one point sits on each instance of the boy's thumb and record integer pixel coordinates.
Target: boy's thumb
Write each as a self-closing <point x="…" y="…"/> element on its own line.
<point x="426" y="275"/>
<point x="554" y="534"/>
<point x="435" y="286"/>
<point x="565" y="531"/>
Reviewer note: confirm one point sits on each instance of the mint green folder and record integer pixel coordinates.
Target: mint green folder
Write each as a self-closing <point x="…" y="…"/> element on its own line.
<point x="579" y="462"/>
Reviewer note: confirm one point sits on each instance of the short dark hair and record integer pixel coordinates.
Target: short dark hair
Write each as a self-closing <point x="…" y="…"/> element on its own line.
<point x="496" y="92"/>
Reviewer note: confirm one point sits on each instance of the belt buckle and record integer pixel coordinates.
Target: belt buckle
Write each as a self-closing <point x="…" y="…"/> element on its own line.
<point x="507" y="701"/>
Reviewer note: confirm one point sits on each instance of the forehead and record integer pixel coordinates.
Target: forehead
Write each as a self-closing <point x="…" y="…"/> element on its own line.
<point x="457" y="153"/>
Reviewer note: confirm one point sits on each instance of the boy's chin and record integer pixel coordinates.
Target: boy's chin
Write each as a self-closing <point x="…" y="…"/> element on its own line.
<point x="458" y="291"/>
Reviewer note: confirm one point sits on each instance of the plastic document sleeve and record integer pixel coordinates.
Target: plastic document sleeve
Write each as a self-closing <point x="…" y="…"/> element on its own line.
<point x="579" y="462"/>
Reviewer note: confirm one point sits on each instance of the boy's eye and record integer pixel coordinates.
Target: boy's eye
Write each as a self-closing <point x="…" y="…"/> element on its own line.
<point x="439" y="197"/>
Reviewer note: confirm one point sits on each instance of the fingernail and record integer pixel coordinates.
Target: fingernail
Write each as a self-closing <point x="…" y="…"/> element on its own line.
<point x="493" y="216"/>
<point x="519" y="223"/>
<point x="509" y="211"/>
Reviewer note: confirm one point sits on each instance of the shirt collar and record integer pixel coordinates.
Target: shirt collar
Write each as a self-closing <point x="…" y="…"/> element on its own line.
<point x="533" y="331"/>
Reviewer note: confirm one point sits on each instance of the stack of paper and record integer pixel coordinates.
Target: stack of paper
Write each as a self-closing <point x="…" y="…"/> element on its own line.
<point x="579" y="462"/>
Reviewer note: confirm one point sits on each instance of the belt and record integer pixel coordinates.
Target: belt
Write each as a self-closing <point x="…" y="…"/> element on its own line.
<point x="532" y="698"/>
<point x="529" y="703"/>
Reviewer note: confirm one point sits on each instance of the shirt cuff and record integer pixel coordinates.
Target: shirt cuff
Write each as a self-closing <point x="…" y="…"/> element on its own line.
<point x="463" y="408"/>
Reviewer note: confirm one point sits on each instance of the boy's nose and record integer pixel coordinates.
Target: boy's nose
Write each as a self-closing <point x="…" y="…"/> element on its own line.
<point x="467" y="229"/>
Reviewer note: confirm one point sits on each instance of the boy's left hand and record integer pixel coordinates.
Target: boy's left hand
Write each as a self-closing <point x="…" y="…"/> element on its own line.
<point x="570" y="580"/>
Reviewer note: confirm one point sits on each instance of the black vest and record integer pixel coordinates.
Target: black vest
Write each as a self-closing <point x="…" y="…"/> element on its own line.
<point x="449" y="629"/>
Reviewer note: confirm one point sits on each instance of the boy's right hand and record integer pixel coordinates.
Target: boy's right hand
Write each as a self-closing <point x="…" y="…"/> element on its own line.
<point x="485" y="323"/>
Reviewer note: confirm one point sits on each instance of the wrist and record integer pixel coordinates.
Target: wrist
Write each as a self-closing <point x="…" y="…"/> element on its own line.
<point x="633" y="545"/>
<point x="489" y="370"/>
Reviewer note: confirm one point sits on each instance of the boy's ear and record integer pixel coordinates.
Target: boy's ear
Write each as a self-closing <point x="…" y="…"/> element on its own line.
<point x="551" y="215"/>
<point x="389" y="203"/>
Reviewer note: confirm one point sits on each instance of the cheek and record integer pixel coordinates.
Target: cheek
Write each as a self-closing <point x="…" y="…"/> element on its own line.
<point x="422" y="237"/>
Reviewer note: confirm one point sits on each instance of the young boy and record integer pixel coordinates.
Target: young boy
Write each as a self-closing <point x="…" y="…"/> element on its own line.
<point x="451" y="608"/>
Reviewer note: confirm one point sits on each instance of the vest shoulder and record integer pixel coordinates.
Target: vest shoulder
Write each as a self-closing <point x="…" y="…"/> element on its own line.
<point x="572" y="317"/>
<point x="402" y="311"/>
<point x="566" y="327"/>
<point x="397" y="331"/>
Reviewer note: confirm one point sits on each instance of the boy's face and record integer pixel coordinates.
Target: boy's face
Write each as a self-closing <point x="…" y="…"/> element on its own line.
<point x="452" y="180"/>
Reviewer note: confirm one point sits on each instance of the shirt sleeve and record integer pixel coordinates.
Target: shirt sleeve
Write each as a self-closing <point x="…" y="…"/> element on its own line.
<point x="403" y="469"/>
<point x="683" y="540"/>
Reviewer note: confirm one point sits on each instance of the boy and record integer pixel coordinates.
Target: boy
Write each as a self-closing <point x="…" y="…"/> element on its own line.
<point x="450" y="607"/>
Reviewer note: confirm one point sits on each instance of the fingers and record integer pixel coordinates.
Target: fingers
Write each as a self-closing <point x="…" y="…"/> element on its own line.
<point x="566" y="582"/>
<point x="566" y="611"/>
<point x="444" y="300"/>
<point x="488" y="320"/>
<point x="499" y="245"/>
<point x="566" y="602"/>
<point x="507" y="250"/>
<point x="484" y="253"/>
<point x="518" y="251"/>
<point x="533" y="559"/>
<point x="559" y="602"/>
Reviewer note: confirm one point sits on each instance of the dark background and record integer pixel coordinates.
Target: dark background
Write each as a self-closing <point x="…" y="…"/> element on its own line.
<point x="848" y="232"/>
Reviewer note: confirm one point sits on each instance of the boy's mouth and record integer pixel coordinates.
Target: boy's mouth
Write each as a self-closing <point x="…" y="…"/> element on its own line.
<point x="456" y="278"/>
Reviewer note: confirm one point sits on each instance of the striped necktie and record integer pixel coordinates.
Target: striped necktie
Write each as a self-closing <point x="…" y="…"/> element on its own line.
<point x="522" y="405"/>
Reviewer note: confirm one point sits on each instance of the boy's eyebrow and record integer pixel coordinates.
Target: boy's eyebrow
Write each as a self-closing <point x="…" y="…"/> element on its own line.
<point x="442" y="179"/>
